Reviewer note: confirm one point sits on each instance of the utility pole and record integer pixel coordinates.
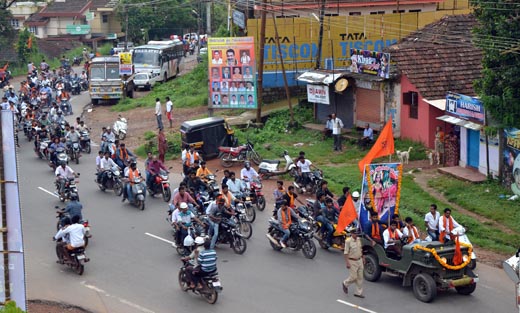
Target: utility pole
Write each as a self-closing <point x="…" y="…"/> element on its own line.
<point x="126" y="28"/>
<point x="287" y="92"/>
<point x="320" y="38"/>
<point x="261" y="63"/>
<point x="208" y="17"/>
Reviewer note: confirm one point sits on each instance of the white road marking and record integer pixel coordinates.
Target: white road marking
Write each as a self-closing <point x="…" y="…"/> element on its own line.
<point x="356" y="306"/>
<point x="162" y="239"/>
<point x="47" y="191"/>
<point x="129" y="303"/>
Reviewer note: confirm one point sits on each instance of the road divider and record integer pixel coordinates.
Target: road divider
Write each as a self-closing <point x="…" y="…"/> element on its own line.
<point x="356" y="306"/>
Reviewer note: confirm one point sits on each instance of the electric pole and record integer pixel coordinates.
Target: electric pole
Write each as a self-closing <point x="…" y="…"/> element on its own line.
<point x="320" y="38"/>
<point x="261" y="63"/>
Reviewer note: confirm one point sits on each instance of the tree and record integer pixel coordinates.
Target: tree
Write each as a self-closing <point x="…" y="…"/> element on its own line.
<point x="6" y="30"/>
<point x="25" y="45"/>
<point x="498" y="34"/>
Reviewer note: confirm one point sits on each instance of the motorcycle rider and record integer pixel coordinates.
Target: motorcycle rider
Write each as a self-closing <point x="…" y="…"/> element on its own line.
<point x="44" y="121"/>
<point x="72" y="235"/>
<point x="72" y="137"/>
<point x="216" y="211"/>
<point x="105" y="165"/>
<point x="131" y="173"/>
<point x="203" y="171"/>
<point x="82" y="127"/>
<point x="59" y="118"/>
<point x="189" y="158"/>
<point x="304" y="168"/>
<point x="154" y="168"/>
<point x="42" y="134"/>
<point x="63" y="173"/>
<point x="52" y="150"/>
<point x="192" y="181"/>
<point x="122" y="157"/>
<point x="207" y="260"/>
<point x="235" y="185"/>
<point x="107" y="138"/>
<point x="248" y="174"/>
<point x="278" y="193"/>
<point x="193" y="259"/>
<point x="183" y="221"/>
<point x="73" y="208"/>
<point x="291" y="196"/>
<point x="325" y="189"/>
<point x="285" y="216"/>
<point x="328" y="217"/>
<point x="184" y="196"/>
<point x="228" y="196"/>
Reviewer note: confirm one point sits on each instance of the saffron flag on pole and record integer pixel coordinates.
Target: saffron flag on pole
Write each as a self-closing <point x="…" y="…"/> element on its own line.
<point x="384" y="146"/>
<point x="29" y="42"/>
<point x="347" y="214"/>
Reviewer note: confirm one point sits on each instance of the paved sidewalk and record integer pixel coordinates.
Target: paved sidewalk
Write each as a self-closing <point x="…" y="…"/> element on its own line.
<point x="467" y="174"/>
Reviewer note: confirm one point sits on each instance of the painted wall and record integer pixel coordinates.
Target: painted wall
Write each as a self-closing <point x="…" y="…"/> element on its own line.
<point x="463" y="147"/>
<point x="392" y="101"/>
<point x="494" y="157"/>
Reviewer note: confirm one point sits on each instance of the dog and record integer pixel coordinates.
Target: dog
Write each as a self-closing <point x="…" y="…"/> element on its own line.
<point x="403" y="156"/>
<point x="431" y="155"/>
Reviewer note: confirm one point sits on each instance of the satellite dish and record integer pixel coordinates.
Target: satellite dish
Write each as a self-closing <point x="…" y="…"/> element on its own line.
<point x="511" y="268"/>
<point x="341" y="85"/>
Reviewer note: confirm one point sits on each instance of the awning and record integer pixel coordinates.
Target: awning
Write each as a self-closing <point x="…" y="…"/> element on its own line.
<point x="460" y="122"/>
<point x="320" y="77"/>
<point x="439" y="104"/>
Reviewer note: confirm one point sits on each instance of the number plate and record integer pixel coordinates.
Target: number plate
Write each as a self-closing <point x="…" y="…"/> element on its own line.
<point x="81" y="257"/>
<point x="216" y="284"/>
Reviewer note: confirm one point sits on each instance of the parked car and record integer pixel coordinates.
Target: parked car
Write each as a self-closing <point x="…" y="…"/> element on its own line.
<point x="144" y="80"/>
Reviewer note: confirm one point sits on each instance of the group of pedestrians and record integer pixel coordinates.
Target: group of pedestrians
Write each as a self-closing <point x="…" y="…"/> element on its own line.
<point x="159" y="111"/>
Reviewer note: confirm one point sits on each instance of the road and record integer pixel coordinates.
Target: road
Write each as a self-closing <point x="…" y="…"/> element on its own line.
<point x="133" y="267"/>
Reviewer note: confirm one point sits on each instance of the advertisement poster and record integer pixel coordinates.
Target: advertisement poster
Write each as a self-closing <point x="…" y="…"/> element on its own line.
<point x="464" y="106"/>
<point x="125" y="63"/>
<point x="318" y="94"/>
<point x="512" y="159"/>
<point x="370" y="62"/>
<point x="232" y="73"/>
<point x="380" y="191"/>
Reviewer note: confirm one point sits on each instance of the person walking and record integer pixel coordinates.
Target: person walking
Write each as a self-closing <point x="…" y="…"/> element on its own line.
<point x="337" y="125"/>
<point x="354" y="261"/>
<point x="162" y="145"/>
<point x="158" y="113"/>
<point x="169" y="107"/>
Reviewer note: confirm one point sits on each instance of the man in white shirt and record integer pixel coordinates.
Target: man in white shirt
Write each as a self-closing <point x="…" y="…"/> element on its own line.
<point x="105" y="165"/>
<point x="446" y="224"/>
<point x="235" y="185"/>
<point x="4" y="105"/>
<point x="304" y="168"/>
<point x="431" y="221"/>
<point x="169" y="107"/>
<point x="337" y="125"/>
<point x="410" y="231"/>
<point x="391" y="237"/>
<point x="158" y="113"/>
<point x="63" y="172"/>
<point x="72" y="235"/>
<point x="248" y="174"/>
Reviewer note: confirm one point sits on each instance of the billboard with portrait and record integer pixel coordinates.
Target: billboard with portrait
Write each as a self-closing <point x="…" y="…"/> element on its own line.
<point x="512" y="159"/>
<point x="370" y="62"/>
<point x="232" y="73"/>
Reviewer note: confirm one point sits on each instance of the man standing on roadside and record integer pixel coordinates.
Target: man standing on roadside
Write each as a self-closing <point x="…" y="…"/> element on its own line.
<point x="337" y="125"/>
<point x="158" y="113"/>
<point x="169" y="107"/>
<point x="354" y="261"/>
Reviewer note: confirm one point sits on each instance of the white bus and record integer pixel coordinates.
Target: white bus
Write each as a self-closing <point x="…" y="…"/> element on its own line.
<point x="160" y="58"/>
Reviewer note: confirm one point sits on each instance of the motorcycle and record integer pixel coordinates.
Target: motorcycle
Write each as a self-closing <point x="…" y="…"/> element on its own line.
<point x="83" y="84"/>
<point x="74" y="151"/>
<point x="161" y="184"/>
<point x="213" y="186"/>
<point x="138" y="190"/>
<point x="75" y="86"/>
<point x="120" y="127"/>
<point x="300" y="238"/>
<point x="255" y="194"/>
<point x="43" y="151"/>
<point x="230" y="155"/>
<point x="84" y="141"/>
<point x="313" y="183"/>
<point x="113" y="181"/>
<point x="61" y="156"/>
<point x="229" y="233"/>
<point x="60" y="215"/>
<point x="245" y="227"/>
<point x="210" y="283"/>
<point x="77" y="61"/>
<point x="186" y="247"/>
<point x="70" y="187"/>
<point x="461" y="233"/>
<point x="269" y="168"/>
<point x="76" y="261"/>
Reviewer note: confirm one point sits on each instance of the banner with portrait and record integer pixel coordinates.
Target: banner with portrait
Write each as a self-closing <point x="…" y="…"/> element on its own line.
<point x="380" y="191"/>
<point x="370" y="62"/>
<point x="232" y="73"/>
<point x="512" y="159"/>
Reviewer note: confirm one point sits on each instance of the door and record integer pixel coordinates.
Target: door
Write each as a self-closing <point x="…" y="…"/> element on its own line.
<point x="473" y="148"/>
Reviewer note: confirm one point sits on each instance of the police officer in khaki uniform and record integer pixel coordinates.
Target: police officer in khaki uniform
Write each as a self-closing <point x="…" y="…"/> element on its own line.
<point x="354" y="261"/>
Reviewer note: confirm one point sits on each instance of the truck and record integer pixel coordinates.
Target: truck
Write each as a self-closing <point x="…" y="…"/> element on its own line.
<point x="105" y="83"/>
<point x="427" y="266"/>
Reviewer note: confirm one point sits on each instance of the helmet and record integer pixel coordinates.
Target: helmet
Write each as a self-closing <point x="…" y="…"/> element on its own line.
<point x="183" y="205"/>
<point x="73" y="196"/>
<point x="199" y="241"/>
<point x="247" y="164"/>
<point x="355" y="194"/>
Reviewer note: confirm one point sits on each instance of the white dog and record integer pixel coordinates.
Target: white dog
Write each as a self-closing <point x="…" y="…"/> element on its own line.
<point x="403" y="156"/>
<point x="431" y="155"/>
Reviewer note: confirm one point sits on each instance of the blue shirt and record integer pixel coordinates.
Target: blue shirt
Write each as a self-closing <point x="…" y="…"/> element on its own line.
<point x="368" y="132"/>
<point x="74" y="208"/>
<point x="208" y="260"/>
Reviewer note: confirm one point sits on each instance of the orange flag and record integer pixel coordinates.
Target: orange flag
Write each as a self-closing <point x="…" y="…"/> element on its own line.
<point x="29" y="42"/>
<point x="457" y="256"/>
<point x="347" y="214"/>
<point x="384" y="146"/>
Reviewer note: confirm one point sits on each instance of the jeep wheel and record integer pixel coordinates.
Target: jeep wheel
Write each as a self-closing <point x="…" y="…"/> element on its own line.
<point x="466" y="290"/>
<point x="424" y="287"/>
<point x="372" y="270"/>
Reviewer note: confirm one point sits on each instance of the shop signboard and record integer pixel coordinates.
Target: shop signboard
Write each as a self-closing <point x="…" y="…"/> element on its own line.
<point x="465" y="106"/>
<point x="78" y="29"/>
<point x="318" y="94"/>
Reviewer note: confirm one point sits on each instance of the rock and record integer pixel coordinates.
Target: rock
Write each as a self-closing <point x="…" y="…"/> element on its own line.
<point x="267" y="146"/>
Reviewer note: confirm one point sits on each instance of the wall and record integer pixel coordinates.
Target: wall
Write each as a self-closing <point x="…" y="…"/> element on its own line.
<point x="463" y="147"/>
<point x="415" y="129"/>
<point x="392" y="105"/>
<point x="271" y="95"/>
<point x="494" y="157"/>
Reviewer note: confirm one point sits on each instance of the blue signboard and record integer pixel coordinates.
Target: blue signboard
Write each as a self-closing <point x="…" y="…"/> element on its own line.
<point x="465" y="106"/>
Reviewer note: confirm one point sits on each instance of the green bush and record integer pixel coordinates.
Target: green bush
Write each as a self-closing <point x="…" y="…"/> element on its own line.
<point x="10" y="307"/>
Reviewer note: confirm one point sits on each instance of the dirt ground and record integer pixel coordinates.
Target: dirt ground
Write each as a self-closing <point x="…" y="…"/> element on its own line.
<point x="44" y="306"/>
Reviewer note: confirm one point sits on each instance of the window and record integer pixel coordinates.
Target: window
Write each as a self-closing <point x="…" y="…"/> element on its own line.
<point x="415" y="11"/>
<point x="414" y="110"/>
<point x="104" y="18"/>
<point x="15" y="23"/>
<point x="33" y="30"/>
<point x="398" y="11"/>
<point x="377" y="12"/>
<point x="354" y="13"/>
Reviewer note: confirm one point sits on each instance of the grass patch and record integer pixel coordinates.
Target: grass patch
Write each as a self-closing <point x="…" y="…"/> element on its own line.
<point x="187" y="91"/>
<point x="487" y="203"/>
<point x="150" y="144"/>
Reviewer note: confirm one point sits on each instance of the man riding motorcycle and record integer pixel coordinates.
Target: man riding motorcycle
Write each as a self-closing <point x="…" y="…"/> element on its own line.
<point x="328" y="217"/>
<point x="216" y="211"/>
<point x="183" y="221"/>
<point x="72" y="235"/>
<point x="108" y="138"/>
<point x="63" y="173"/>
<point x="52" y="150"/>
<point x="131" y="173"/>
<point x="73" y="208"/>
<point x="154" y="167"/>
<point x="248" y="174"/>
<point x="122" y="157"/>
<point x="286" y="216"/>
<point x="203" y="172"/>
<point x="72" y="137"/>
<point x="106" y="164"/>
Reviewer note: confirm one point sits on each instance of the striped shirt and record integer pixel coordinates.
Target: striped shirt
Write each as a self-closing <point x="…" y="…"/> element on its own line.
<point x="208" y="260"/>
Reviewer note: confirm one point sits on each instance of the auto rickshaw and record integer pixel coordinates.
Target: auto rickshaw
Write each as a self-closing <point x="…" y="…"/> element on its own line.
<point x="207" y="134"/>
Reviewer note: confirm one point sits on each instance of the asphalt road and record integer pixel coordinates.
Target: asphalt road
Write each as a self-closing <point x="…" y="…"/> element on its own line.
<point x="133" y="267"/>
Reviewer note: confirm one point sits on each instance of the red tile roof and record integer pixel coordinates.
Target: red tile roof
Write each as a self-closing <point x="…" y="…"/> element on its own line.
<point x="65" y="8"/>
<point x="440" y="57"/>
